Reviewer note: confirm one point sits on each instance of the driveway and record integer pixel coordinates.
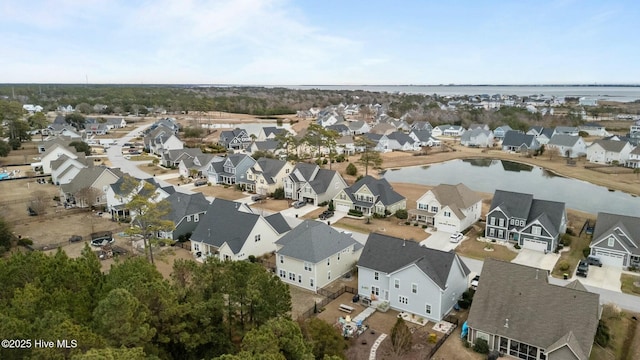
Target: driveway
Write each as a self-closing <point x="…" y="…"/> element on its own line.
<point x="293" y="212"/>
<point x="439" y="240"/>
<point x="605" y="277"/>
<point x="536" y="259"/>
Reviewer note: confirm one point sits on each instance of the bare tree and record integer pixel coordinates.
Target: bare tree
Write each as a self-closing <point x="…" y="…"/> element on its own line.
<point x="552" y="151"/>
<point x="39" y="201"/>
<point x="87" y="197"/>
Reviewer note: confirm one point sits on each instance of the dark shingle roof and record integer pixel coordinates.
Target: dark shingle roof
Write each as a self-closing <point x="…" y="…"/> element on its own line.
<point x="380" y="188"/>
<point x="610" y="145"/>
<point x="517" y="138"/>
<point x="270" y="167"/>
<point x="549" y="213"/>
<point x="388" y="254"/>
<point x="563" y="140"/>
<point x="538" y="313"/>
<point x="278" y="223"/>
<point x="512" y="203"/>
<point x="185" y="204"/>
<point x="314" y="241"/>
<point x="607" y="223"/>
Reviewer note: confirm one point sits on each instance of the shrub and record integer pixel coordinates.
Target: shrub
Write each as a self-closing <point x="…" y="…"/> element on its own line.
<point x="586" y="251"/>
<point x="278" y="194"/>
<point x="415" y="224"/>
<point x="252" y="258"/>
<point x="407" y="223"/>
<point x="570" y="231"/>
<point x="481" y="346"/>
<point x="331" y="206"/>
<point x="516" y="246"/>
<point x="355" y="212"/>
<point x="25" y="242"/>
<point x="602" y="334"/>
<point x="464" y="303"/>
<point x="563" y="265"/>
<point x="424" y="226"/>
<point x="566" y="240"/>
<point x="352" y="169"/>
<point x="324" y="203"/>
<point x="402" y="214"/>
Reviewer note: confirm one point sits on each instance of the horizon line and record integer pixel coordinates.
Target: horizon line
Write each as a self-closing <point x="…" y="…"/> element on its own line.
<point x="311" y="85"/>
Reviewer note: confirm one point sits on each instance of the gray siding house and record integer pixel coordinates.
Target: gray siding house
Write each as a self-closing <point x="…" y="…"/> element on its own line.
<point x="186" y="211"/>
<point x="230" y="170"/>
<point x="310" y="183"/>
<point x="616" y="240"/>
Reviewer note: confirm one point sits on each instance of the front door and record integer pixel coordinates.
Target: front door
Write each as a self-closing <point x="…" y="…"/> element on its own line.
<point x="386" y="295"/>
<point x="375" y="292"/>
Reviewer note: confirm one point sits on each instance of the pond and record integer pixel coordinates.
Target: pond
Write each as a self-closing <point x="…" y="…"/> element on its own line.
<point x="487" y="175"/>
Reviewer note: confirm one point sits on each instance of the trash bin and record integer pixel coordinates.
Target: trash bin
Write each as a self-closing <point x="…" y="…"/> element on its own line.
<point x="328" y="222"/>
<point x="566" y="276"/>
<point x="296" y="216"/>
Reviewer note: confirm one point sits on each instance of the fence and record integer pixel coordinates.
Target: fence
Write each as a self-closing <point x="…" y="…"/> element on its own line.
<point x="452" y="320"/>
<point x="329" y="297"/>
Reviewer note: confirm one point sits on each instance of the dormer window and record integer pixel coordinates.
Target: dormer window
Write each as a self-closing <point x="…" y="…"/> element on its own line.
<point x="611" y="241"/>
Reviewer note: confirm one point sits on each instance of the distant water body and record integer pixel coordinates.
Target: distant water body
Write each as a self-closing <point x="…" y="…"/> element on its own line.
<point x="602" y="92"/>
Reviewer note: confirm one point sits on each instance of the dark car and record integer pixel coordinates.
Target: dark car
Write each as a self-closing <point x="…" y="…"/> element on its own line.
<point x="258" y="197"/>
<point x="31" y="211"/>
<point x="298" y="204"/>
<point x="326" y="215"/>
<point x="75" y="238"/>
<point x="592" y="260"/>
<point x="583" y="268"/>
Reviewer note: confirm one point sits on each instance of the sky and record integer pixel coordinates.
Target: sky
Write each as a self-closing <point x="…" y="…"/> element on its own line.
<point x="328" y="42"/>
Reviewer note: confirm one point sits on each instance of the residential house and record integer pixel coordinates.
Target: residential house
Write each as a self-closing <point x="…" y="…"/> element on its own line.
<point x="449" y="208"/>
<point x="352" y="109"/>
<point x="594" y="129"/>
<point x="411" y="278"/>
<point x="478" y="126"/>
<point x="616" y="240"/>
<point x="172" y="158"/>
<point x="65" y="168"/>
<point x="53" y="153"/>
<point x="236" y="139"/>
<point x="358" y="127"/>
<point x="196" y="166"/>
<point x="346" y="145"/>
<point x="266" y="175"/>
<point x="396" y="141"/>
<point x="568" y="145"/>
<point x="608" y="151"/>
<point x="519" y="142"/>
<point x="521" y="315"/>
<point x="186" y="212"/>
<point x="477" y="137"/>
<point x="566" y="130"/>
<point x="400" y="125"/>
<point x="118" y="195"/>
<point x="313" y="255"/>
<point x="89" y="186"/>
<point x="96" y="129"/>
<point x="43" y="146"/>
<point x="230" y="170"/>
<point x="382" y="129"/>
<point x="424" y="138"/>
<point x="67" y="130"/>
<point x="531" y="223"/>
<point x="341" y="129"/>
<point x="421" y="125"/>
<point x="230" y="230"/>
<point x="634" y="158"/>
<point x="447" y="130"/>
<point x="370" y="196"/>
<point x="269" y="133"/>
<point x="169" y="123"/>
<point x="500" y="131"/>
<point x="162" y="139"/>
<point x="329" y="118"/>
<point x="310" y="183"/>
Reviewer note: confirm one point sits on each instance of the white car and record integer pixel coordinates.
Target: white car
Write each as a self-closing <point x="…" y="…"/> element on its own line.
<point x="456" y="237"/>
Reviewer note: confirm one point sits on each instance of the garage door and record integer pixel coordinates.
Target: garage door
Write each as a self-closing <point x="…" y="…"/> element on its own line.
<point x="342" y="208"/>
<point x="446" y="227"/>
<point x="610" y="258"/>
<point x="534" y="245"/>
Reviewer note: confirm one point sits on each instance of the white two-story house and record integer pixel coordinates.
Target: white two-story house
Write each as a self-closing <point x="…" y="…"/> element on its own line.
<point x="448" y="208"/>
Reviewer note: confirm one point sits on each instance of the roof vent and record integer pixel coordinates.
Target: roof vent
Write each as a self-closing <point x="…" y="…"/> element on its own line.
<point x="506" y="323"/>
<point x="537" y="274"/>
<point x="404" y="242"/>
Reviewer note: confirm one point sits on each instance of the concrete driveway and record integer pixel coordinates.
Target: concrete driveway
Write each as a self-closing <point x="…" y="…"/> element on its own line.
<point x="292" y="212"/>
<point x="439" y="240"/>
<point x="605" y="277"/>
<point x="536" y="259"/>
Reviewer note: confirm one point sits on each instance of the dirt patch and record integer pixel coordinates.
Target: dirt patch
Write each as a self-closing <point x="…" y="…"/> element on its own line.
<point x="391" y="226"/>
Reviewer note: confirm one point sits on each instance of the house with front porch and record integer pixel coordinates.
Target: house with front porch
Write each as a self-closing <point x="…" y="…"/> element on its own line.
<point x="89" y="186"/>
<point x="229" y="170"/>
<point x="186" y="211"/>
<point x="568" y="145"/>
<point x="122" y="191"/>
<point x="519" y="142"/>
<point x="232" y="231"/>
<point x="236" y="139"/>
<point x="608" y="151"/>
<point x="424" y="138"/>
<point x="396" y="141"/>
<point x="500" y="131"/>
<point x="196" y="166"/>
<point x="266" y="175"/>
<point x="370" y="196"/>
<point x="449" y="208"/>
<point x="310" y="183"/>
<point x="411" y="278"/>
<point x="531" y="223"/>
<point x="634" y="158"/>
<point x="346" y="145"/>
<point x="521" y="315"/>
<point x="448" y="130"/>
<point x="477" y="137"/>
<point x="358" y="127"/>
<point x="313" y="255"/>
<point x="616" y="240"/>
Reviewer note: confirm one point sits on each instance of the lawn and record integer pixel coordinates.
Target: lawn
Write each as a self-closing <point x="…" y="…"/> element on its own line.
<point x="571" y="257"/>
<point x="390" y="226"/>
<point x="476" y="249"/>
<point x="630" y="284"/>
<point x="624" y="343"/>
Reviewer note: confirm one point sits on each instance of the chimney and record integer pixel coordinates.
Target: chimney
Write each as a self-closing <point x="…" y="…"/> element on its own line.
<point x="506" y="323"/>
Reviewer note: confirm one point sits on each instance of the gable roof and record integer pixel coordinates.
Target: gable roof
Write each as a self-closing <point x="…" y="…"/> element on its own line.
<point x="185" y="204"/>
<point x="380" y="188"/>
<point x="629" y="226"/>
<point x="322" y="180"/>
<point x="86" y="177"/>
<point x="610" y="145"/>
<point x="422" y="135"/>
<point x="548" y="213"/>
<point x="513" y="204"/>
<point x="278" y="223"/>
<point x="517" y="139"/>
<point x="225" y="222"/>
<point x="564" y="140"/>
<point x="516" y="292"/>
<point x="267" y="145"/>
<point x="456" y="197"/>
<point x="400" y="137"/>
<point x="268" y="130"/>
<point x="314" y="241"/>
<point x="270" y="168"/>
<point x="436" y="264"/>
<point x="467" y="135"/>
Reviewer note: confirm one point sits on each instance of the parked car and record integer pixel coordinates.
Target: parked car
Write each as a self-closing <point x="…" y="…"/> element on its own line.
<point x="583" y="268"/>
<point x="31" y="211"/>
<point x="326" y="215"/>
<point x="75" y="238"/>
<point x="456" y="237"/>
<point x="200" y="182"/>
<point x="298" y="204"/>
<point x="101" y="242"/>
<point x="592" y="260"/>
<point x="475" y="281"/>
<point x="258" y="197"/>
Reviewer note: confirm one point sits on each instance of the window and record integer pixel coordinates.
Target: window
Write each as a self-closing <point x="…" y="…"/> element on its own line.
<point x="328" y="261"/>
<point x="196" y="246"/>
<point x="500" y="234"/>
<point x="501" y="222"/>
<point x="536" y="230"/>
<point x="292" y="276"/>
<point x="329" y="275"/>
<point x="434" y="209"/>
<point x="376" y="275"/>
<point x="403" y="300"/>
<point x="521" y="222"/>
<point x="523" y="351"/>
<point x="492" y="221"/>
<point x="283" y="274"/>
<point x="423" y="206"/>
<point x="396" y="283"/>
<point x="299" y="278"/>
<point x="611" y="241"/>
<point x="281" y="259"/>
<point x="414" y="288"/>
<point x="427" y="309"/>
<point x="338" y="256"/>
<point x="511" y="221"/>
<point x="492" y="232"/>
<point x="257" y="238"/>
<point x="311" y="282"/>
<point x="375" y="291"/>
<point x="188" y="217"/>
<point x="447" y="213"/>
<point x="307" y="266"/>
<point x="196" y="217"/>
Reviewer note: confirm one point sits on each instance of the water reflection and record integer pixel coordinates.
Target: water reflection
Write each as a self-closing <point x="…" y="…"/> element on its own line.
<point x="516" y="167"/>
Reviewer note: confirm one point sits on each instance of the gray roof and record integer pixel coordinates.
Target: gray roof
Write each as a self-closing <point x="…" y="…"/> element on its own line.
<point x="355" y="125"/>
<point x="179" y="154"/>
<point x="267" y="145"/>
<point x="538" y="313"/>
<point x="607" y="223"/>
<point x="512" y="203"/>
<point x="422" y="135"/>
<point x="340" y="128"/>
<point x="225" y="222"/>
<point x="467" y="135"/>
<point x="565" y="129"/>
<point x="322" y="180"/>
<point x="401" y="137"/>
<point x="81" y="159"/>
<point x="86" y="177"/>
<point x="314" y="241"/>
<point x="436" y="264"/>
<point x="564" y="140"/>
<point x="380" y="188"/>
<point x="278" y="222"/>
<point x="185" y="204"/>
<point x="270" y="168"/>
<point x="517" y="139"/>
<point x="421" y="125"/>
<point x="548" y="132"/>
<point x="610" y="145"/>
<point x="504" y="128"/>
<point x="268" y="130"/>
<point x="548" y="213"/>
